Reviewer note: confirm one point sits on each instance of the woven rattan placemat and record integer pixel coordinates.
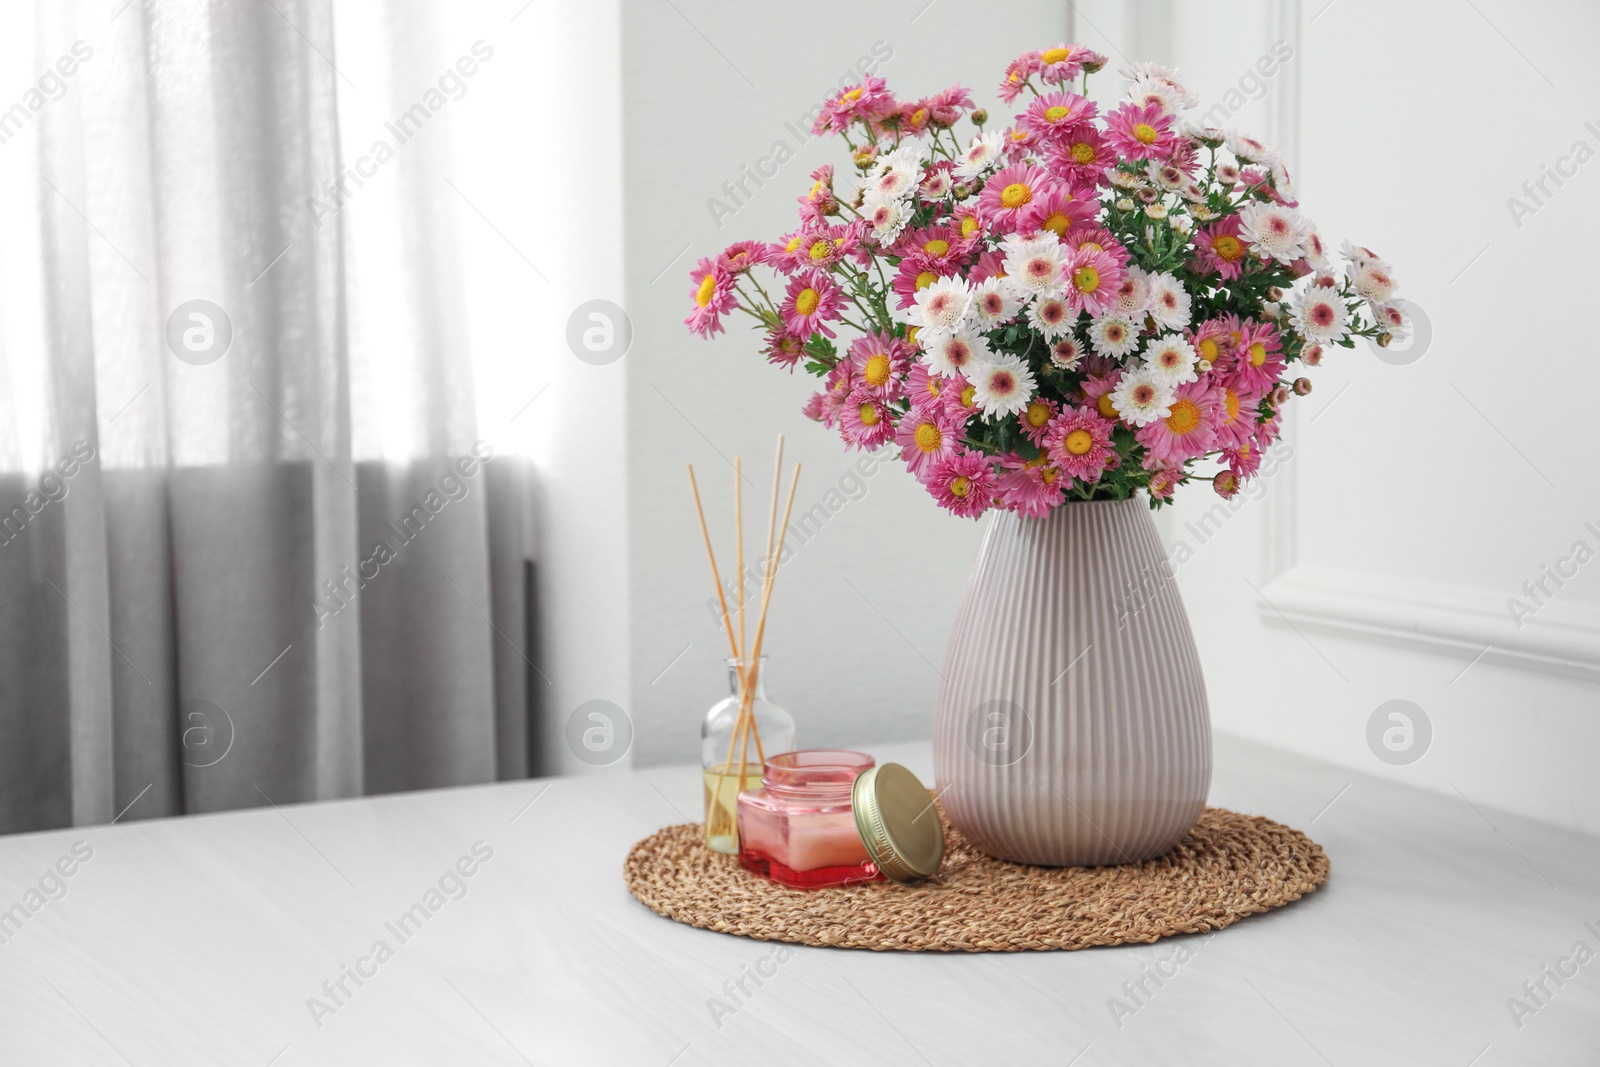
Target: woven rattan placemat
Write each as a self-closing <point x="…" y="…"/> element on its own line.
<point x="1229" y="866"/>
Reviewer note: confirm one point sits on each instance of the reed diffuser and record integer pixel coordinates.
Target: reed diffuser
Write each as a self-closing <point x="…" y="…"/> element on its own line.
<point x="732" y="732"/>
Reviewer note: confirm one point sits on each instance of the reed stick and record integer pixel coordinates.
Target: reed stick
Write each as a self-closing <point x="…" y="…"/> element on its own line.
<point x="766" y="601"/>
<point x="712" y="556"/>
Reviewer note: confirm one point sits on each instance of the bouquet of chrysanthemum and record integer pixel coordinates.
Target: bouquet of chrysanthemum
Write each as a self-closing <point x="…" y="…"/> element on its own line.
<point x="1071" y="308"/>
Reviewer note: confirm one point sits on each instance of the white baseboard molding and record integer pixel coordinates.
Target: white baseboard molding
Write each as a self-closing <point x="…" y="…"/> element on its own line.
<point x="1561" y="637"/>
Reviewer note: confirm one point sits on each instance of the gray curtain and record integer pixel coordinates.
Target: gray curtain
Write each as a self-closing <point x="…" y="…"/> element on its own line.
<point x="289" y="572"/>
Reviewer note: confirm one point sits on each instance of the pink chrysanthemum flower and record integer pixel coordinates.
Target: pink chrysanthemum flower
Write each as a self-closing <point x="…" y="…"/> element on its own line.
<point x="1080" y="155"/>
<point x="819" y="201"/>
<point x="927" y="436"/>
<point x="1053" y="115"/>
<point x="879" y="363"/>
<point x="1236" y="418"/>
<point x="1188" y="430"/>
<point x="991" y="264"/>
<point x="1258" y="357"/>
<point x="964" y="484"/>
<point x="945" y="107"/>
<point x="1213" y="345"/>
<point x="960" y="398"/>
<point x="1058" y="209"/>
<point x="1097" y="390"/>
<point x="940" y="243"/>
<point x="1006" y="195"/>
<point x="1017" y="74"/>
<point x="810" y="300"/>
<point x="968" y="226"/>
<point x="1079" y="443"/>
<point x="1095" y="237"/>
<point x="865" y="421"/>
<point x="1061" y="64"/>
<point x="783" y="349"/>
<point x="815" y="408"/>
<point x="923" y="386"/>
<point x="1140" y="132"/>
<point x="740" y="256"/>
<point x="712" y="293"/>
<point x="916" y="272"/>
<point x="781" y="253"/>
<point x="1165" y="480"/>
<point x="859" y="103"/>
<point x="1219" y="248"/>
<point x="1029" y="487"/>
<point x="1034" y="419"/>
<point x="1093" y="275"/>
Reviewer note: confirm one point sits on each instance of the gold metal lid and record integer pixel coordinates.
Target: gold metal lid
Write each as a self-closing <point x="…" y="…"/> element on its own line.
<point x="898" y="823"/>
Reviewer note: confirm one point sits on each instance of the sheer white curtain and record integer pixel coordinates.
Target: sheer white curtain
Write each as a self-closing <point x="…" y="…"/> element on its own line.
<point x="291" y="568"/>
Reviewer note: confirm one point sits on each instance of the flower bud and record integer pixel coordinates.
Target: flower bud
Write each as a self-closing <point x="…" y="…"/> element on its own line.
<point x="1279" y="395"/>
<point x="1312" y="355"/>
<point x="1274" y="294"/>
<point x="1124" y="204"/>
<point x="1385" y="340"/>
<point x="1156" y="211"/>
<point x="1302" y="386"/>
<point x="1226" y="483"/>
<point x="961" y="192"/>
<point x="979" y="117"/>
<point x="1203" y="366"/>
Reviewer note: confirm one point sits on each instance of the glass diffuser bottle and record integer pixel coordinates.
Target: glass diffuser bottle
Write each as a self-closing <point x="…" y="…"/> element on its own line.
<point x="732" y="763"/>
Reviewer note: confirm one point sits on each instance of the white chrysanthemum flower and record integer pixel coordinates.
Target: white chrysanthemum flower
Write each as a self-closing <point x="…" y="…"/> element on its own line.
<point x="992" y="303"/>
<point x="981" y="155"/>
<point x="1316" y="251"/>
<point x="1357" y="256"/>
<point x="1319" y="315"/>
<point x="1141" y="398"/>
<point x="1183" y="224"/>
<point x="887" y="216"/>
<point x="1275" y="230"/>
<point x="1123" y="180"/>
<point x="1051" y="316"/>
<point x="961" y="352"/>
<point x="1113" y="336"/>
<point x="1133" y="295"/>
<point x="1247" y="149"/>
<point x="1392" y="320"/>
<point x="942" y="307"/>
<point x="1168" y="95"/>
<point x="1171" y="359"/>
<point x="1169" y="302"/>
<point x="1034" y="265"/>
<point x="1166" y="175"/>
<point x="1373" y="282"/>
<point x="1067" y="353"/>
<point x="1280" y="180"/>
<point x="1004" y="387"/>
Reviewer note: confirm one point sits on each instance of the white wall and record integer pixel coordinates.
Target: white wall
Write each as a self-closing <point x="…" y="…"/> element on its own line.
<point x="854" y="665"/>
<point x="1421" y="497"/>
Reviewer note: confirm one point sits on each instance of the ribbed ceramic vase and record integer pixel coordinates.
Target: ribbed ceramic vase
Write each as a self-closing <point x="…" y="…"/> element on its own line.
<point x="1072" y="727"/>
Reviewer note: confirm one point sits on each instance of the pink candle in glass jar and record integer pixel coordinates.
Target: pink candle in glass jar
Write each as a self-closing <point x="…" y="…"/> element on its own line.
<point x="798" y="828"/>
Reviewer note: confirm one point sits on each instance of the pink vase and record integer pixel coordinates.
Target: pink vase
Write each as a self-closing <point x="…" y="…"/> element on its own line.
<point x="1072" y="727"/>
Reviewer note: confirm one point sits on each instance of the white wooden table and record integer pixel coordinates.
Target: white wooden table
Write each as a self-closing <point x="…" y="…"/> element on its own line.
<point x="200" y="941"/>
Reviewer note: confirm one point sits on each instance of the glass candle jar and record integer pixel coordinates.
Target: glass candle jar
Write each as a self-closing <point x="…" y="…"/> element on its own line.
<point x="730" y="765"/>
<point x="798" y="828"/>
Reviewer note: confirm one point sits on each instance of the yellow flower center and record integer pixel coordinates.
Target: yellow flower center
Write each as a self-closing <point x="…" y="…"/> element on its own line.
<point x="850" y="96"/>
<point x="1019" y="135"/>
<point x="967" y="395"/>
<point x="1015" y="195"/>
<point x="1230" y="400"/>
<point x="960" y="486"/>
<point x="876" y="372"/>
<point x="1079" y="441"/>
<point x="1057" y="113"/>
<point x="1049" y="475"/>
<point x="1258" y="354"/>
<point x="822" y="248"/>
<point x="869" y="414"/>
<point x="1053" y="55"/>
<point x="970" y="225"/>
<point x="1057" y="224"/>
<point x="936" y="247"/>
<point x="1037" y="415"/>
<point x="919" y="116"/>
<point x="1145" y="133"/>
<point x="794" y="243"/>
<point x="1227" y="247"/>
<point x="1106" y="407"/>
<point x="708" y="289"/>
<point x="926" y="278"/>
<point x="1083" y="152"/>
<point x="934" y="385"/>
<point x="1209" y="350"/>
<point x="1087" y="280"/>
<point x="1185" y="417"/>
<point x="807" y="300"/>
<point x="928" y="437"/>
